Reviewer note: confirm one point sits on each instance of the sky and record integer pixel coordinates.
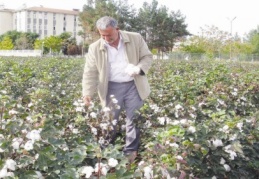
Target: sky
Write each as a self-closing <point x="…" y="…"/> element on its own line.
<point x="233" y="16"/>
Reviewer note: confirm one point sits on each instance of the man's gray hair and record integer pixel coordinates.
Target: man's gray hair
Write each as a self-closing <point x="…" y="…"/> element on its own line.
<point x="105" y="22"/>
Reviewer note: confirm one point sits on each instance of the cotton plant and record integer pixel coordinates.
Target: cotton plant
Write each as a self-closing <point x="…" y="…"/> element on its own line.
<point x="8" y="168"/>
<point x="165" y="147"/>
<point x="100" y="122"/>
<point x="99" y="169"/>
<point x="201" y="120"/>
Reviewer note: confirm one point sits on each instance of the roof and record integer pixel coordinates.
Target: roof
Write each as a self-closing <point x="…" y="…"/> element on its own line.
<point x="59" y="11"/>
<point x="6" y="10"/>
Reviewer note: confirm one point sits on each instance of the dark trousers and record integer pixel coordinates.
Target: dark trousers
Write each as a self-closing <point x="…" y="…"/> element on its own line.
<point x="128" y="99"/>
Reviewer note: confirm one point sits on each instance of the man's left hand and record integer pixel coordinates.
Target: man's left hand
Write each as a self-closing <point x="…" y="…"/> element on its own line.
<point x="132" y="70"/>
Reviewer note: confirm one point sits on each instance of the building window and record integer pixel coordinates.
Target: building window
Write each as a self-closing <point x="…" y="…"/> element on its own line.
<point x="74" y="21"/>
<point x="34" y="15"/>
<point x="65" y="23"/>
<point x="15" y="22"/>
<point x="28" y="20"/>
<point x="45" y="15"/>
<point x="28" y="28"/>
<point x="64" y="29"/>
<point x="40" y="15"/>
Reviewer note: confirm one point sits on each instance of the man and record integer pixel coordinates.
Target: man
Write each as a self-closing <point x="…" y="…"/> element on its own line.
<point x="117" y="65"/>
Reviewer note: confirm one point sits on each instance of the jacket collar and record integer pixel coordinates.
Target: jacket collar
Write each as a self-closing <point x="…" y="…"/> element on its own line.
<point x="123" y="35"/>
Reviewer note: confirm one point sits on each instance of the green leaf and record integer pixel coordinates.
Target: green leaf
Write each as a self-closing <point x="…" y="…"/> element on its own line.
<point x="70" y="173"/>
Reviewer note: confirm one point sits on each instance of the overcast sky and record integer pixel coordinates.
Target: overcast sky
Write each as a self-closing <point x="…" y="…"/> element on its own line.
<point x="198" y="13"/>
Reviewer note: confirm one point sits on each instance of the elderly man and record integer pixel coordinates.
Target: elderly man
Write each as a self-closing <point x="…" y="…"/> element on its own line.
<point x="117" y="65"/>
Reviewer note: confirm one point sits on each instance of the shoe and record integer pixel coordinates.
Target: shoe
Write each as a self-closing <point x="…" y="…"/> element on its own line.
<point x="131" y="156"/>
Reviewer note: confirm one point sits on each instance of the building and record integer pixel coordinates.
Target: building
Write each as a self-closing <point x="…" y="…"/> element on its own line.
<point x="41" y="20"/>
<point x="6" y="19"/>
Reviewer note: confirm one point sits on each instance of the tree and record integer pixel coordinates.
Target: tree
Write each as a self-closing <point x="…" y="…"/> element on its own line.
<point x="22" y="43"/>
<point x="73" y="49"/>
<point x="94" y="10"/>
<point x="6" y="43"/>
<point x="253" y="39"/>
<point x="212" y="41"/>
<point x="125" y="14"/>
<point x="21" y="40"/>
<point x="53" y="43"/>
<point x="177" y="27"/>
<point x="13" y="35"/>
<point x="195" y="44"/>
<point x="159" y="28"/>
<point x="67" y="40"/>
<point x="31" y="37"/>
<point x="216" y="43"/>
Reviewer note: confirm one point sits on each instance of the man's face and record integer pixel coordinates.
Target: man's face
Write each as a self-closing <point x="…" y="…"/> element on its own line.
<point x="110" y="34"/>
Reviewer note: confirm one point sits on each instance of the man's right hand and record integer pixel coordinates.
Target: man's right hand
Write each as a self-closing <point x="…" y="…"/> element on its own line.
<point x="87" y="100"/>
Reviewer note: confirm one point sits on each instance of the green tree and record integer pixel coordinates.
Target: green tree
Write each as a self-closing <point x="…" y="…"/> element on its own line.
<point x="40" y="45"/>
<point x="31" y="37"/>
<point x="22" y="43"/>
<point x="253" y="39"/>
<point x="212" y="42"/>
<point x="13" y="35"/>
<point x="20" y="38"/>
<point x="67" y="40"/>
<point x="160" y="28"/>
<point x="125" y="14"/>
<point x="6" y="43"/>
<point x="195" y="44"/>
<point x="53" y="44"/>
<point x="216" y="43"/>
<point x="92" y="11"/>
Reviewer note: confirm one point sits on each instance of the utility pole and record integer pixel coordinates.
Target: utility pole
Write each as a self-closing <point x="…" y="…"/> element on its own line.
<point x="231" y="38"/>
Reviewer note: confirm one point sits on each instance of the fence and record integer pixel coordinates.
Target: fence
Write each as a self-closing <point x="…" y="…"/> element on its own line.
<point x="164" y="56"/>
<point x="199" y="56"/>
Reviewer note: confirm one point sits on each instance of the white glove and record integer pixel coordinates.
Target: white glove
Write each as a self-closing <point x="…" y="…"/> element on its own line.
<point x="132" y="70"/>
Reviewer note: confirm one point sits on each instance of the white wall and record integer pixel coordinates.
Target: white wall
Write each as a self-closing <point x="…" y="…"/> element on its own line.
<point x="21" y="53"/>
<point x="6" y="19"/>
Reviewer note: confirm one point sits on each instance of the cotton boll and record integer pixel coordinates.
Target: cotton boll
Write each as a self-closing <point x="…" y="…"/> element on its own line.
<point x="227" y="167"/>
<point x="132" y="70"/>
<point x="112" y="162"/>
